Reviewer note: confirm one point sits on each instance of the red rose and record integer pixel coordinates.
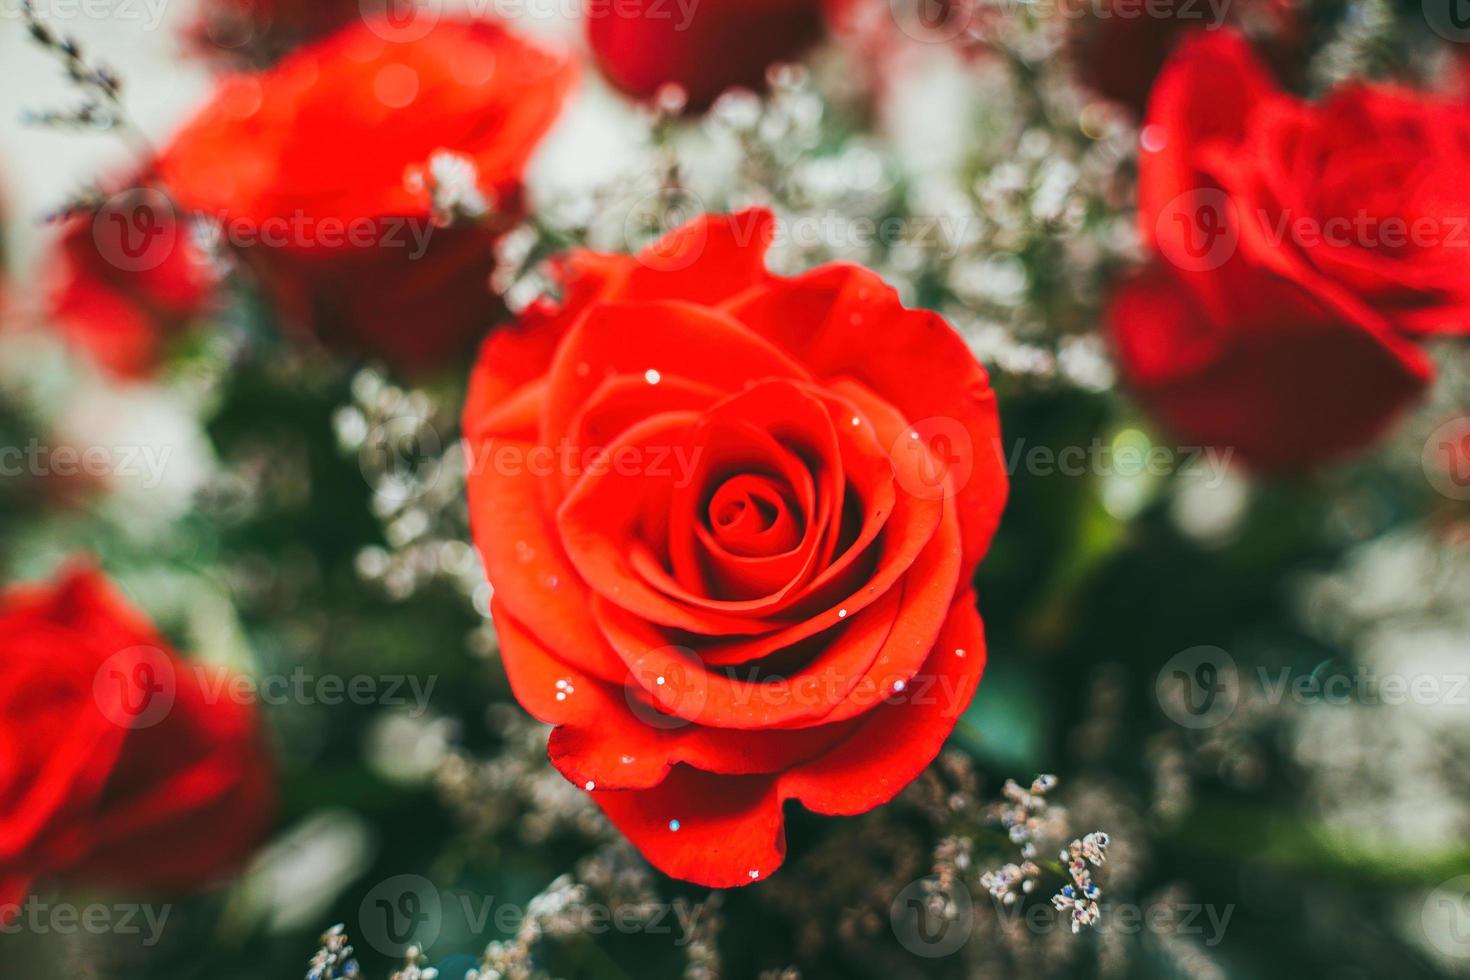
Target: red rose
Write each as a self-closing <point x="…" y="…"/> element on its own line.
<point x="705" y="47"/>
<point x="330" y="172"/>
<point x="129" y="278"/>
<point x="731" y="521"/>
<point x="1120" y="48"/>
<point x="1300" y="247"/>
<point x="119" y="769"/>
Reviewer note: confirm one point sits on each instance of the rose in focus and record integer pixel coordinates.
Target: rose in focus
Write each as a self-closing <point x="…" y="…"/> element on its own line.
<point x="753" y="584"/>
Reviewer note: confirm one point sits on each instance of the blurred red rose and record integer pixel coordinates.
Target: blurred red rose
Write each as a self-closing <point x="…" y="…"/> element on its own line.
<point x="1120" y="47"/>
<point x="128" y="278"/>
<point x="335" y="172"/>
<point x="121" y="769"/>
<point x="1299" y="249"/>
<point x="732" y="521"/>
<point x="704" y="46"/>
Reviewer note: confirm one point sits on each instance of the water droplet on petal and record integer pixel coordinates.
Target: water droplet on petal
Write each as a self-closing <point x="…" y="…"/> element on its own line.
<point x="590" y="786"/>
<point x="652" y="376"/>
<point x="674" y="826"/>
<point x="1153" y="138"/>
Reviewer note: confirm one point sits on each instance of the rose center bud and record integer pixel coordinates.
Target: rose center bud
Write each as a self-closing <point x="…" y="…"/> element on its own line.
<point x="751" y="516"/>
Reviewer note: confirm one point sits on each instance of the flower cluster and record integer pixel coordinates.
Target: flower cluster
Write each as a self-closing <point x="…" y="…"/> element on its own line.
<point x="1079" y="898"/>
<point x="334" y="960"/>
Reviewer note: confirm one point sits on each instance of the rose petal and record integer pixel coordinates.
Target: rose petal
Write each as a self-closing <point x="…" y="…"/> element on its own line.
<point x="898" y="739"/>
<point x="716" y="831"/>
<point x="524" y="559"/>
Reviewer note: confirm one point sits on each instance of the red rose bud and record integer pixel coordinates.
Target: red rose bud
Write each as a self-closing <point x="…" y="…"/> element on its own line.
<point x="129" y="278"/>
<point x="128" y="773"/>
<point x="731" y="521"/>
<point x="1300" y="250"/>
<point x="365" y="178"/>
<point x="703" y="46"/>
